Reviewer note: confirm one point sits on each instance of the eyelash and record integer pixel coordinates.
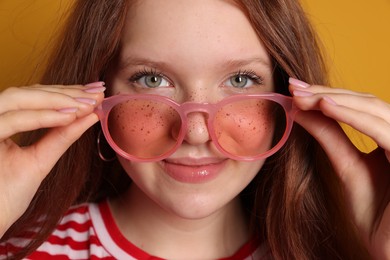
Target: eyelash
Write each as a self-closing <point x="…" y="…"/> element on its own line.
<point x="258" y="80"/>
<point x="146" y="72"/>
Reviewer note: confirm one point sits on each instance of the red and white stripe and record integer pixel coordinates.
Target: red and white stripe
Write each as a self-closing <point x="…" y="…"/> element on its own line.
<point x="88" y="231"/>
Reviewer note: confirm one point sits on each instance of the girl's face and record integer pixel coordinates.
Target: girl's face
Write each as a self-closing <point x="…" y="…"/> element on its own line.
<point x="199" y="51"/>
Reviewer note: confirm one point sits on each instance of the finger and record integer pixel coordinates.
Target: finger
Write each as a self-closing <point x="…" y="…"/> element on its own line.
<point x="22" y="121"/>
<point x="369" y="115"/>
<point x="299" y="85"/>
<point x="74" y="86"/>
<point x="365" y="104"/>
<point x="72" y="90"/>
<point x="367" y="123"/>
<point x="29" y="98"/>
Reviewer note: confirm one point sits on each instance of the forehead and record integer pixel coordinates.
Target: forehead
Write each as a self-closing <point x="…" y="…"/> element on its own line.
<point x="184" y="27"/>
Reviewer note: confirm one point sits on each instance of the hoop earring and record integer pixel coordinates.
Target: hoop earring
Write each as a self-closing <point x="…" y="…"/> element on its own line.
<point x="99" y="142"/>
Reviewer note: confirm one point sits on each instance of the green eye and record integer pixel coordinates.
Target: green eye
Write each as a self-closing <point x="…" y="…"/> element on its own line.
<point x="150" y="78"/>
<point x="239" y="81"/>
<point x="153" y="81"/>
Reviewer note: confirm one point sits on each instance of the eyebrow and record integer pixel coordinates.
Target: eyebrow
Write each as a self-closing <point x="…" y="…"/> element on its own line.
<point x="230" y="63"/>
<point x="242" y="62"/>
<point x="141" y="61"/>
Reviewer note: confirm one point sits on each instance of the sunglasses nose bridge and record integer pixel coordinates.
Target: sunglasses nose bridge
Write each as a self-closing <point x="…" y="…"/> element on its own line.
<point x="196" y="120"/>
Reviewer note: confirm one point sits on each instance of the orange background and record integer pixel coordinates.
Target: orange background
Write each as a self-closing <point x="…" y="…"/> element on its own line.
<point x="356" y="35"/>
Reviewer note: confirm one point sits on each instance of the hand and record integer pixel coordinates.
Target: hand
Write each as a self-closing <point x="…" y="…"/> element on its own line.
<point x="66" y="110"/>
<point x="365" y="177"/>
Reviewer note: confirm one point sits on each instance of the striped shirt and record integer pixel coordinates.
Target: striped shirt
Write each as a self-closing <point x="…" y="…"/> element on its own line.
<point x="88" y="231"/>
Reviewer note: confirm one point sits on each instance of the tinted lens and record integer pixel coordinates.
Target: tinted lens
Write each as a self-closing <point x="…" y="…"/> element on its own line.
<point x="144" y="128"/>
<point x="247" y="128"/>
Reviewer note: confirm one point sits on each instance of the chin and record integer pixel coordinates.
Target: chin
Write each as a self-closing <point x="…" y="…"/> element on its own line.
<point x="198" y="207"/>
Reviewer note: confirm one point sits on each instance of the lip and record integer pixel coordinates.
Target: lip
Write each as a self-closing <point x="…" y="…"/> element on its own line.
<point x="193" y="170"/>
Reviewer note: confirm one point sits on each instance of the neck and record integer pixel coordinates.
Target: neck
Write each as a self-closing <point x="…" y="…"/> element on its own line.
<point x="163" y="234"/>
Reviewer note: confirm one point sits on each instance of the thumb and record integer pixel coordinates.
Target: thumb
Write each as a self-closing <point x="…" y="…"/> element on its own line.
<point x="340" y="150"/>
<point x="54" y="144"/>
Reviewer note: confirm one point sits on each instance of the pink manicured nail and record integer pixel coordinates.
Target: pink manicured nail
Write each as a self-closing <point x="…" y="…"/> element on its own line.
<point x="68" y="110"/>
<point x="299" y="93"/>
<point x="329" y="101"/>
<point x="298" y="83"/>
<point x="96" y="84"/>
<point x="94" y="90"/>
<point x="88" y="101"/>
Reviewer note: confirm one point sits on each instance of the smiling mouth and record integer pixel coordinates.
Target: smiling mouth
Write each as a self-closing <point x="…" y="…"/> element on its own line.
<point x="189" y="170"/>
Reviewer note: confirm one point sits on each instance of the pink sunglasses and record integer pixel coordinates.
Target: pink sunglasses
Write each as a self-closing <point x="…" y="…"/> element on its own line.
<point x="147" y="128"/>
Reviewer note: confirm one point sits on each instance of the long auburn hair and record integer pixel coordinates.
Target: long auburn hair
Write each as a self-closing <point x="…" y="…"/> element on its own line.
<point x="294" y="204"/>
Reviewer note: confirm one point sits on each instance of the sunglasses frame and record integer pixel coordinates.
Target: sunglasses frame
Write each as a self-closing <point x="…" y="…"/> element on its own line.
<point x="186" y="108"/>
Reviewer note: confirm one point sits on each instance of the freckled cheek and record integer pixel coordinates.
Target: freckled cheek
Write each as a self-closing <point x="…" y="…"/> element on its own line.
<point x="245" y="132"/>
<point x="144" y="131"/>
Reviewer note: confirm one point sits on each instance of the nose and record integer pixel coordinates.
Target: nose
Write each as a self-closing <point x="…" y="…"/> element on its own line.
<point x="197" y="131"/>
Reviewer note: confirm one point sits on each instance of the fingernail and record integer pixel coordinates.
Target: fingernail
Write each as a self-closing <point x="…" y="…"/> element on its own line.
<point x="68" y="110"/>
<point x="299" y="93"/>
<point x="96" y="84"/>
<point x="88" y="101"/>
<point x="298" y="83"/>
<point x="329" y="101"/>
<point x="94" y="90"/>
